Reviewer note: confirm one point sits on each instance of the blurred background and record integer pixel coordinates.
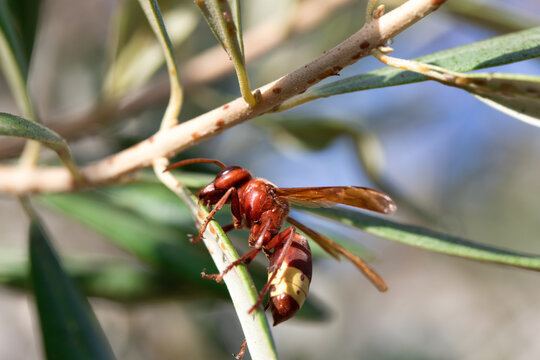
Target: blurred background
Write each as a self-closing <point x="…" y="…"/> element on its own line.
<point x="452" y="163"/>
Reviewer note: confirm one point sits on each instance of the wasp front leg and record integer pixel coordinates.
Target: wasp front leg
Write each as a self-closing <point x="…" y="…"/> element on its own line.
<point x="246" y="258"/>
<point x="216" y="208"/>
<point x="235" y="201"/>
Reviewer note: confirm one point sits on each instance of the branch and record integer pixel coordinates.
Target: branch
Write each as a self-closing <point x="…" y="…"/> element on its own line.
<point x="187" y="134"/>
<point x="208" y="66"/>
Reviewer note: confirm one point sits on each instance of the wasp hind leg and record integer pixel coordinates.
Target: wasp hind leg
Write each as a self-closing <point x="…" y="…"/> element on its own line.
<point x="286" y="237"/>
<point x="242" y="351"/>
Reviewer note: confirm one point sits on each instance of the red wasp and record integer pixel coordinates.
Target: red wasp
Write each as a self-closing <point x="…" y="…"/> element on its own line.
<point x="262" y="207"/>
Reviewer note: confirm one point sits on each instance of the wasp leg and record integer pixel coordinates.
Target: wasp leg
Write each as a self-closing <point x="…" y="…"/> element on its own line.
<point x="240" y="354"/>
<point x="286" y="237"/>
<point x="196" y="239"/>
<point x="216" y="208"/>
<point x="246" y="258"/>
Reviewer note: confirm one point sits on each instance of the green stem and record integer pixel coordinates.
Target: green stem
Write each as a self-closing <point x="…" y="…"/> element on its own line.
<point x="153" y="14"/>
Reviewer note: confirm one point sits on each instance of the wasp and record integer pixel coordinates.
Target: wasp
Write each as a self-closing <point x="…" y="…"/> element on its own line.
<point x="262" y="207"/>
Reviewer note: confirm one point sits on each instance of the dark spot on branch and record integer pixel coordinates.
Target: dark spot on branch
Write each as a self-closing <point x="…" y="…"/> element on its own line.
<point x="337" y="69"/>
<point x="480" y="82"/>
<point x="227" y="16"/>
<point x="231" y="29"/>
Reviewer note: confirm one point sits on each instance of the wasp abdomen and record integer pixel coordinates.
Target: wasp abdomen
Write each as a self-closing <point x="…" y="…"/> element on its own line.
<point x="290" y="286"/>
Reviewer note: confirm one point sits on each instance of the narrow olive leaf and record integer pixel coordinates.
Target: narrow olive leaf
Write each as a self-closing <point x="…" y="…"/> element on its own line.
<point x="491" y="52"/>
<point x="243" y="292"/>
<point x="115" y="280"/>
<point x="235" y="14"/>
<point x="135" y="56"/>
<point x="239" y="283"/>
<point x="18" y="21"/>
<point x="164" y="248"/>
<point x="491" y="15"/>
<point x="316" y="134"/>
<point x="513" y="94"/>
<point x="223" y="17"/>
<point x="153" y="15"/>
<point x="151" y="201"/>
<point x="11" y="125"/>
<point x="430" y="240"/>
<point x="123" y="281"/>
<point x="310" y="133"/>
<point x="69" y="328"/>
<point x="26" y="15"/>
<point x="190" y="179"/>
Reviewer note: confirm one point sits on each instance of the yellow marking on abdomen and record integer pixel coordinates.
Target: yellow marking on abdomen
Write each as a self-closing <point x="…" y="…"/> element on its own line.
<point x="291" y="281"/>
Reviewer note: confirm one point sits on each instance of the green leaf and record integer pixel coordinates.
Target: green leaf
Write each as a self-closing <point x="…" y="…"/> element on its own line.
<point x="495" y="51"/>
<point x="125" y="282"/>
<point x="430" y="240"/>
<point x="310" y="133"/>
<point x="150" y="201"/>
<point x="153" y="15"/>
<point x="68" y="325"/>
<point x="223" y="17"/>
<point x="115" y="280"/>
<point x="164" y="248"/>
<point x="11" y="125"/>
<point x="503" y="19"/>
<point x="18" y="22"/>
<point x="26" y="15"/>
<point x="135" y="55"/>
<point x="315" y="134"/>
<point x="514" y="95"/>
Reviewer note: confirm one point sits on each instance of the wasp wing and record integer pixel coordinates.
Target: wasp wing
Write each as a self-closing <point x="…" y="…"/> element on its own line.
<point x="327" y="196"/>
<point x="335" y="250"/>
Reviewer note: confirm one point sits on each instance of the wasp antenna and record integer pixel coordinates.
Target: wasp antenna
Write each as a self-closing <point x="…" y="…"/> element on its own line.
<point x="194" y="161"/>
